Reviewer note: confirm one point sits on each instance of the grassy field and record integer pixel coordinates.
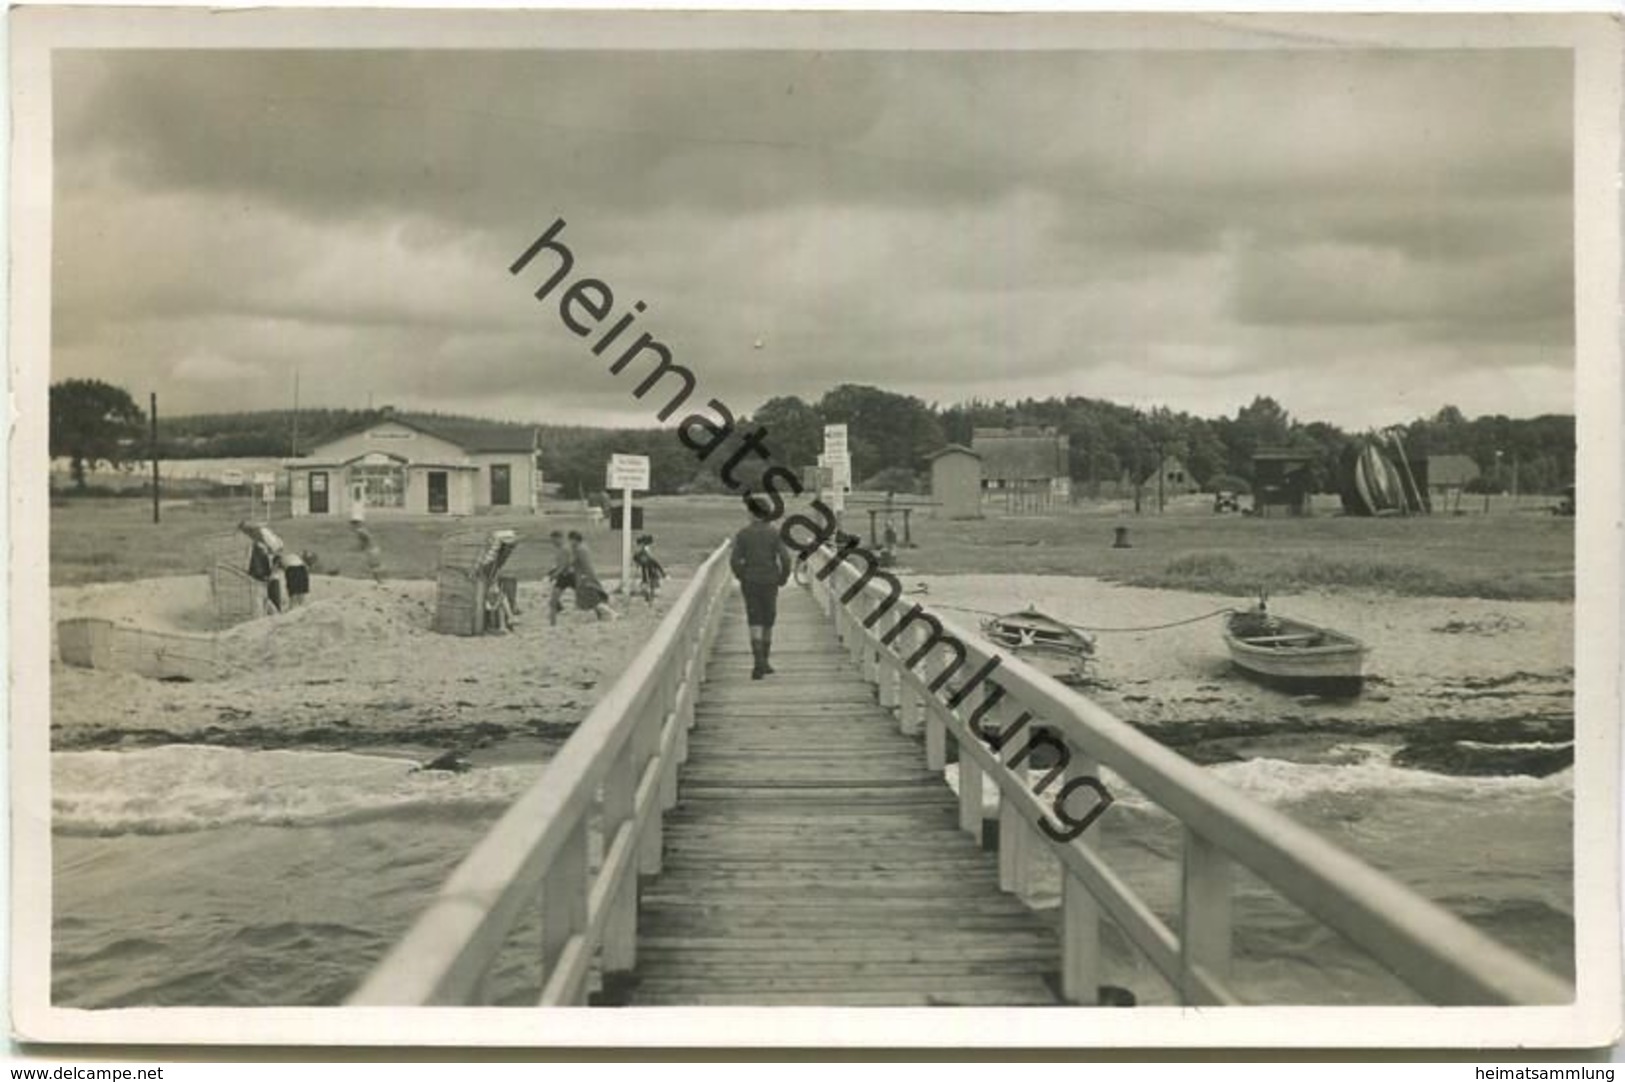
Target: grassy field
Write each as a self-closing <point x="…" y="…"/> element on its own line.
<point x="113" y="540"/>
<point x="1511" y="555"/>
<point x="1507" y="554"/>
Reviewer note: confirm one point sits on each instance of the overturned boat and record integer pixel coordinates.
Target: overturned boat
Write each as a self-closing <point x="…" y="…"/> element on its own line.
<point x="1051" y="646"/>
<point x="1295" y="655"/>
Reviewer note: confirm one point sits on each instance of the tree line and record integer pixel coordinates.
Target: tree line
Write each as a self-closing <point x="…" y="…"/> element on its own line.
<point x="890" y="436"/>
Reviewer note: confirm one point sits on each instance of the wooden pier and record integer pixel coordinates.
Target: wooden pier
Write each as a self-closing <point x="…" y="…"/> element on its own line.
<point x="705" y="839"/>
<point x="813" y="859"/>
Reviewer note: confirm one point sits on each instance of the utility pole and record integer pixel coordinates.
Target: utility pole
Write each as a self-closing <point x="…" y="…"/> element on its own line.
<point x="295" y="412"/>
<point x="1162" y="463"/>
<point x="153" y="448"/>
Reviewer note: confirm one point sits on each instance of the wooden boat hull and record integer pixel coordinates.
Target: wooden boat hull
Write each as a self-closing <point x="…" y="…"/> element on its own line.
<point x="1377" y="482"/>
<point x="1295" y="655"/>
<point x="1052" y="647"/>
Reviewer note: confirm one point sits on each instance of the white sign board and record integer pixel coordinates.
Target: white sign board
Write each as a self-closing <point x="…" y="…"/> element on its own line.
<point x="835" y="438"/>
<point x="231" y="477"/>
<point x="840" y="467"/>
<point x="263" y="479"/>
<point x="628" y="471"/>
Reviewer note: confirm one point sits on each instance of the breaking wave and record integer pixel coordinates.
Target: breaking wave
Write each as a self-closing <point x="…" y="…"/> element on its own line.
<point x="182" y="787"/>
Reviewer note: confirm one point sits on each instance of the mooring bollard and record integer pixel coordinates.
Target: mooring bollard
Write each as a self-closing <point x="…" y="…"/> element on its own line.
<point x="1121" y="541"/>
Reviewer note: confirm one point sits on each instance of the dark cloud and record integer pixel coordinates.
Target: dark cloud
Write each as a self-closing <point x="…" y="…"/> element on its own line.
<point x="1188" y="227"/>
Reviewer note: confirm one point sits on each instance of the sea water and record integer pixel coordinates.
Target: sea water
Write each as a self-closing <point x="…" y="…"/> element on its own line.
<point x="189" y="875"/>
<point x="1496" y="852"/>
<point x="198" y="876"/>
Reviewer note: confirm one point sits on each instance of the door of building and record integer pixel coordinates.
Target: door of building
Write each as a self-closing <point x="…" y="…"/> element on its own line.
<point x="501" y="485"/>
<point x="438" y="504"/>
<point x="318" y="492"/>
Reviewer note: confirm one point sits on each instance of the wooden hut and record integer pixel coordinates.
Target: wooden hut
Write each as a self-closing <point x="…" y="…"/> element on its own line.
<point x="1444" y="479"/>
<point x="956" y="481"/>
<point x="1282" y="477"/>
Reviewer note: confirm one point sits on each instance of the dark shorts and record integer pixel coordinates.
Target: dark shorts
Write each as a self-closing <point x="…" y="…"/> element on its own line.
<point x="298" y="580"/>
<point x="761" y="603"/>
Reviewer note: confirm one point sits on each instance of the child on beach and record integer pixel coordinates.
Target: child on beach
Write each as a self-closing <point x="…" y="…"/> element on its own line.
<point x="650" y="571"/>
<point x="365" y="542"/>
<point x="296" y="571"/>
<point x="560" y="578"/>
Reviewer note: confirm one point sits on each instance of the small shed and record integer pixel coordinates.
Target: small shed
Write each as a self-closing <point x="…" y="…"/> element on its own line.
<point x="956" y="481"/>
<point x="1282" y="477"/>
<point x="1445" y="478"/>
<point x="1171" y="478"/>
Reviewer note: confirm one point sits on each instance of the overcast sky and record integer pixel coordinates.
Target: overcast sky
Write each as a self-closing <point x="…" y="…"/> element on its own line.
<point x="1364" y="236"/>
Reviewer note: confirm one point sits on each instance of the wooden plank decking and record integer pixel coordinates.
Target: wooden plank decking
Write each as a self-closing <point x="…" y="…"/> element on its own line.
<point x="812" y="859"/>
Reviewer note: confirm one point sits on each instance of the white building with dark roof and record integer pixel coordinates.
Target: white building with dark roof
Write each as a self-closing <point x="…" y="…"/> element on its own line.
<point x="412" y="465"/>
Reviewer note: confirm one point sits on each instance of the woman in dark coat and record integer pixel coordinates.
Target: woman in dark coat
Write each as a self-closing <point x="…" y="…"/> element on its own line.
<point x="590" y="592"/>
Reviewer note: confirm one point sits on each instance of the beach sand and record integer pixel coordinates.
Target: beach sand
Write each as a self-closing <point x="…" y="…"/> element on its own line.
<point x="1441" y="671"/>
<point x="204" y="875"/>
<point x="357" y="667"/>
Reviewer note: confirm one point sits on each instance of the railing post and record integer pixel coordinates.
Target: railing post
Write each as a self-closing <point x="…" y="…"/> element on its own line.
<point x="666" y="712"/>
<point x="564" y="904"/>
<point x="911" y="707"/>
<point x="936" y="731"/>
<point x="889" y="669"/>
<point x="970" y="795"/>
<point x="1018" y="847"/>
<point x="1080" y="913"/>
<point x="1204" y="913"/>
<point x="620" y="946"/>
<point x="646" y="745"/>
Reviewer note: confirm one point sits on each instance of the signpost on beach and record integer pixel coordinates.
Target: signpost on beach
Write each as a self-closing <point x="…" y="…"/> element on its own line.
<point x="837" y="460"/>
<point x="266" y="484"/>
<point x="629" y="473"/>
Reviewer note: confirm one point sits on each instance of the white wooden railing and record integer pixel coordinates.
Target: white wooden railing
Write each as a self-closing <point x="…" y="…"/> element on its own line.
<point x="1436" y="954"/>
<point x="614" y="777"/>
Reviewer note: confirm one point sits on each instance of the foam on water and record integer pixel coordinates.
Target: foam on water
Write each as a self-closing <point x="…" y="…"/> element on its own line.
<point x="182" y="787"/>
<point x="1275" y="781"/>
<point x="1281" y="781"/>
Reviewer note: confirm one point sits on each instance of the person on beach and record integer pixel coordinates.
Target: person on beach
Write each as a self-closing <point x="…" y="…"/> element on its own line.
<point x="365" y="543"/>
<point x="560" y="578"/>
<point x="590" y="593"/>
<point x="761" y="564"/>
<point x="264" y="561"/>
<point x="650" y="571"/>
<point x="296" y="572"/>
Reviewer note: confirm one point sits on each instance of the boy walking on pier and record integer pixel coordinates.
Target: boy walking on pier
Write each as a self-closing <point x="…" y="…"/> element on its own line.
<point x="761" y="564"/>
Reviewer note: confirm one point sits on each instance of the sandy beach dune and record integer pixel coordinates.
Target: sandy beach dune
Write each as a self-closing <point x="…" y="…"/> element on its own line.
<point x="356" y="667"/>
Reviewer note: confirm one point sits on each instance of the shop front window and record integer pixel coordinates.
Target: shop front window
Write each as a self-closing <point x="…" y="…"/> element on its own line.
<point x="379" y="486"/>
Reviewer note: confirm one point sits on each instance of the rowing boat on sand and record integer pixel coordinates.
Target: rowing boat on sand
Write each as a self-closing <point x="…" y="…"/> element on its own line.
<point x="1052" y="647"/>
<point x="1295" y="654"/>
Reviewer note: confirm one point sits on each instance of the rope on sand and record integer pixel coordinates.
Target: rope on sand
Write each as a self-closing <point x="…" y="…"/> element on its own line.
<point x="1105" y="630"/>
